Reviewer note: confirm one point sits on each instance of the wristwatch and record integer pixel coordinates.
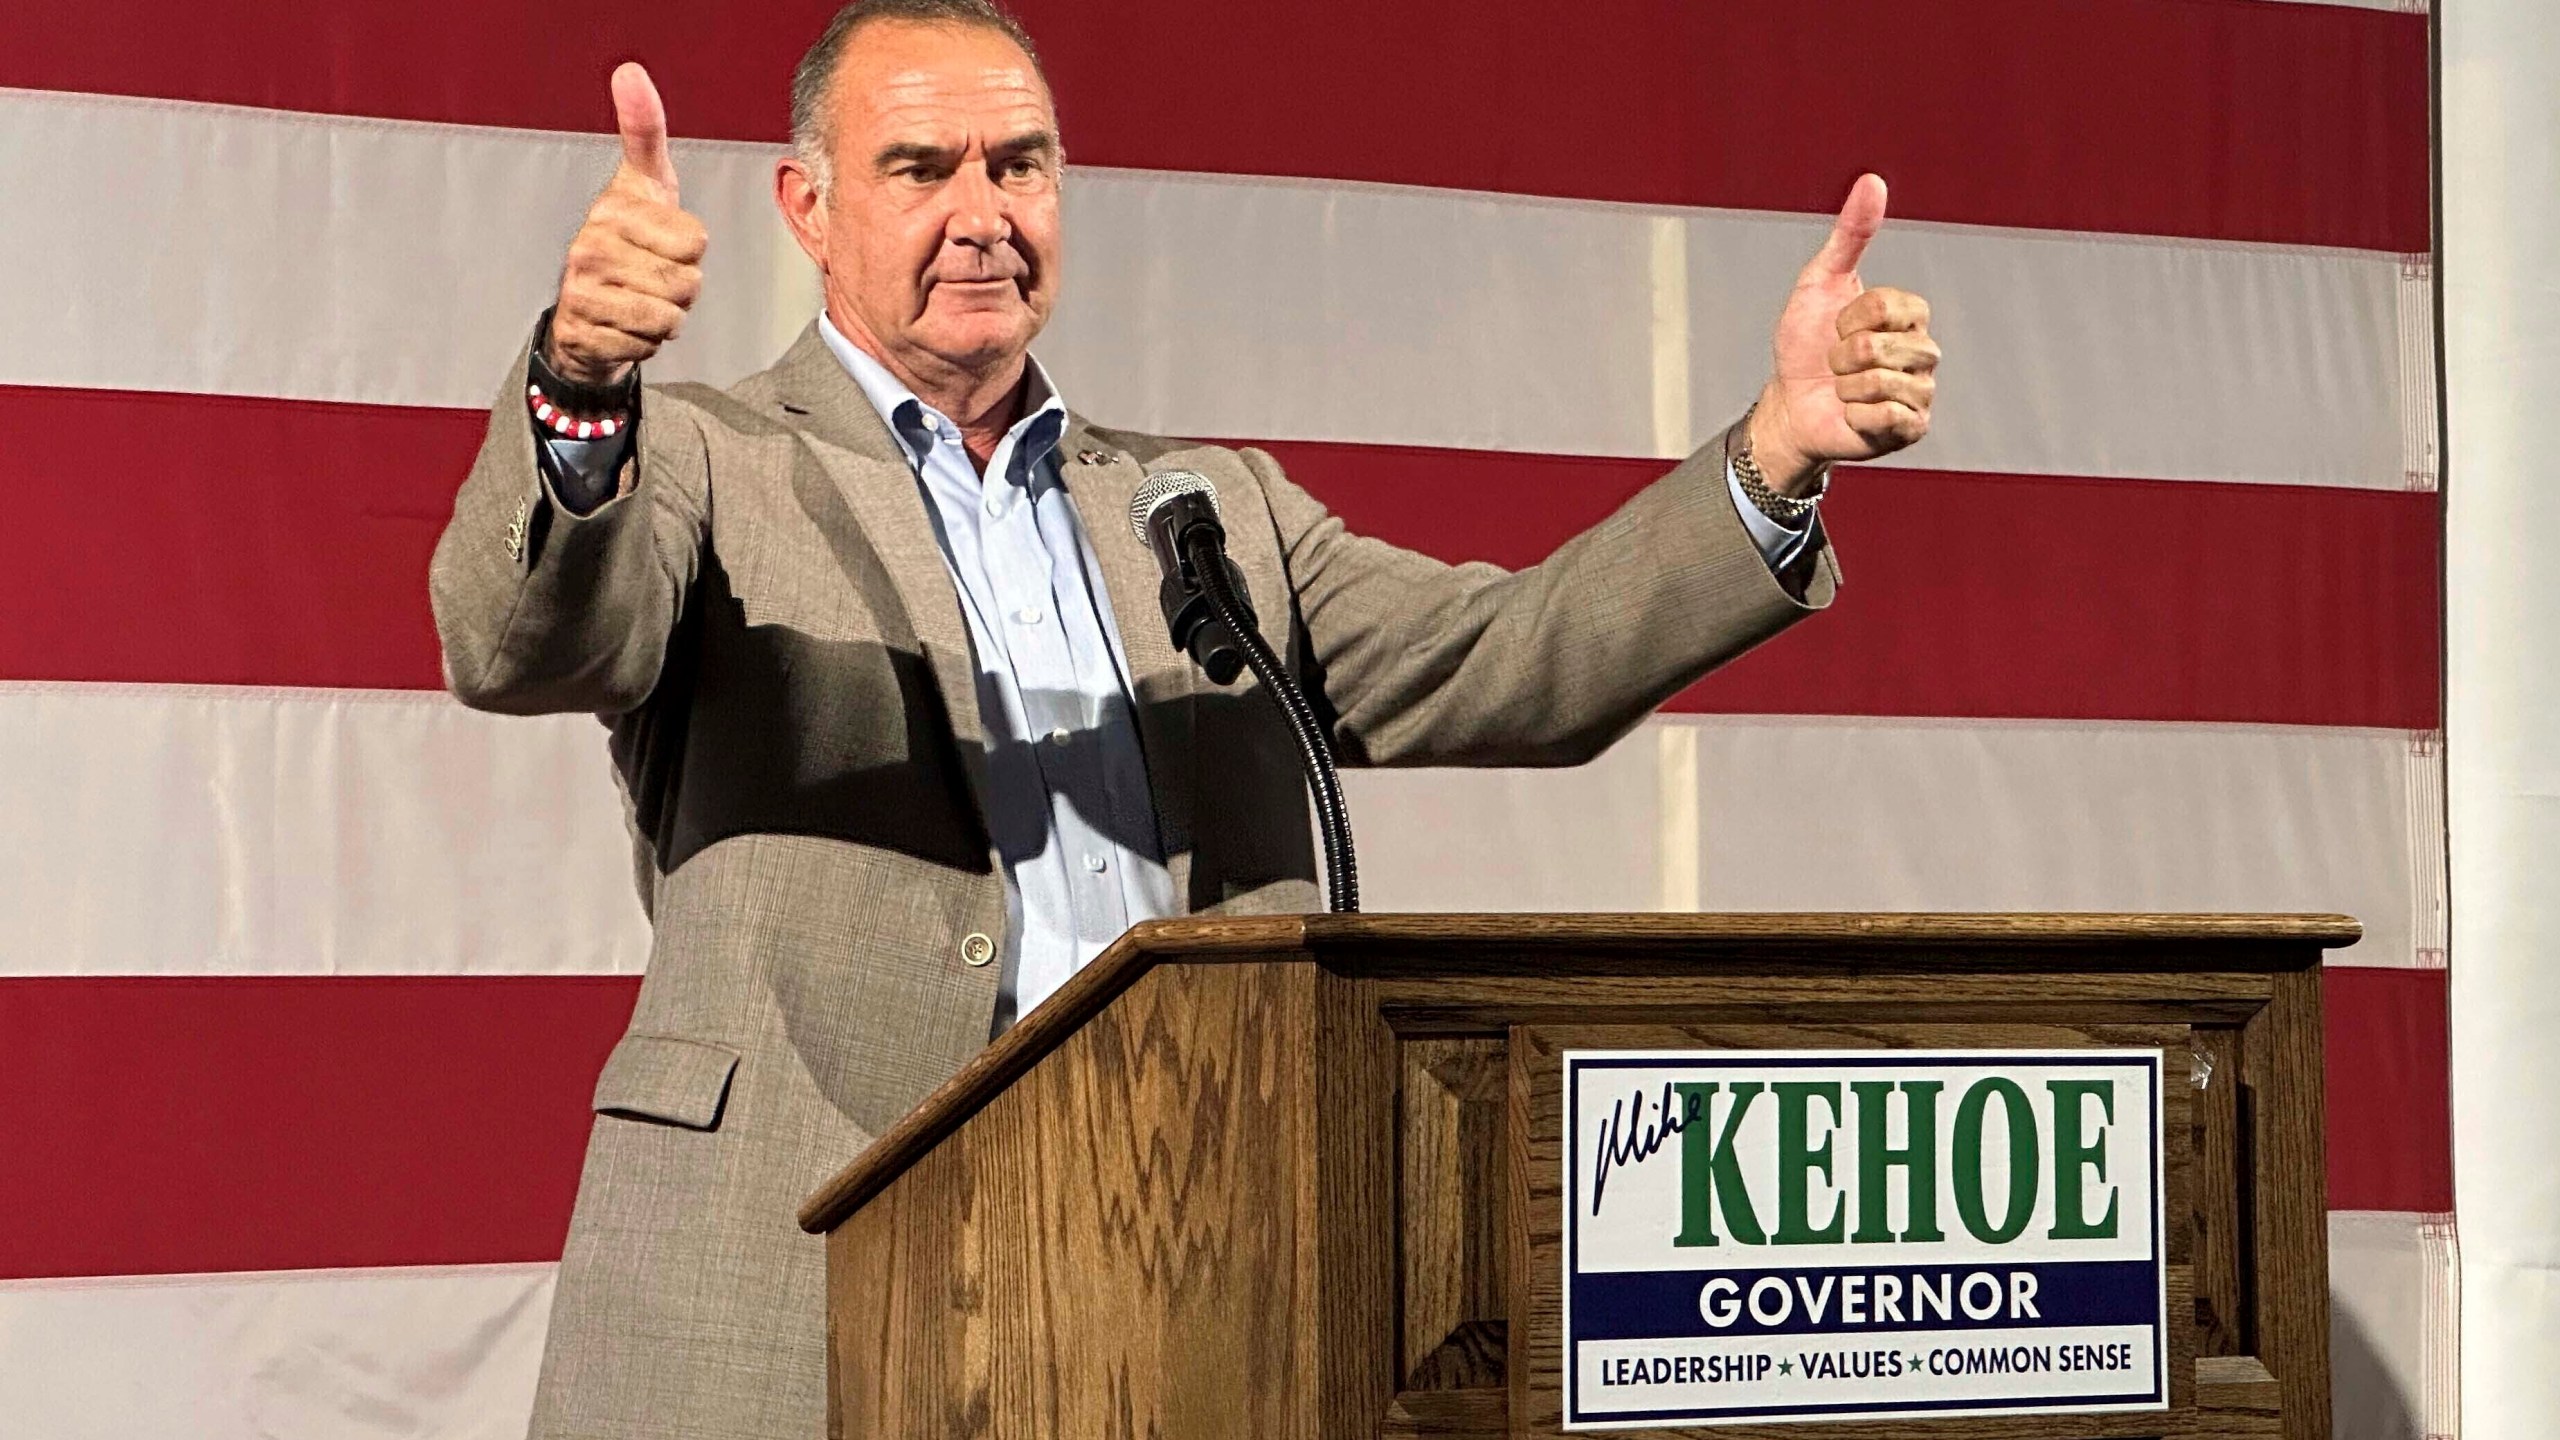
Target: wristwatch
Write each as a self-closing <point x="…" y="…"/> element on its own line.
<point x="1793" y="512"/>
<point x="573" y="397"/>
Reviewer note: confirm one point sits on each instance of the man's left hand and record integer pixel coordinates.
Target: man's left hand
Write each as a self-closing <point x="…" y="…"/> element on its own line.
<point x="1856" y="370"/>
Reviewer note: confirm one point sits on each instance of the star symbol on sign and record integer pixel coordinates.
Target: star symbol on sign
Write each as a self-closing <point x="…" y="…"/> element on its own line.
<point x="1915" y="1359"/>
<point x="1786" y="1367"/>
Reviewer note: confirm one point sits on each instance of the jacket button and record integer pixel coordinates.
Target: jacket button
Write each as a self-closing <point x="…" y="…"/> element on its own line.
<point x="977" y="949"/>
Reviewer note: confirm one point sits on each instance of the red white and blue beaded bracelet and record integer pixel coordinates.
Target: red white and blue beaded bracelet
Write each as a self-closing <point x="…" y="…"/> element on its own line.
<point x="573" y="427"/>
<point x="571" y="410"/>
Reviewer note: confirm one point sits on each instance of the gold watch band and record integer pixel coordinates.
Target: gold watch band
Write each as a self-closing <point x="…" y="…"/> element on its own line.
<point x="1788" y="510"/>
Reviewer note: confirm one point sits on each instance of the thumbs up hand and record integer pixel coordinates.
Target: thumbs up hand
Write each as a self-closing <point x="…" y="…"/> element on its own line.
<point x="635" y="267"/>
<point x="1855" y="372"/>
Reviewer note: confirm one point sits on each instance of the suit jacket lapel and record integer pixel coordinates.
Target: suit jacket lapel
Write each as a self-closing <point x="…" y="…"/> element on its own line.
<point x="871" y="471"/>
<point x="1100" y="479"/>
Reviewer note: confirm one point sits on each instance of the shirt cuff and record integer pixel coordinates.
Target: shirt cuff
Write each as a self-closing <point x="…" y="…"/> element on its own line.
<point x="1778" y="545"/>
<point x="584" y="473"/>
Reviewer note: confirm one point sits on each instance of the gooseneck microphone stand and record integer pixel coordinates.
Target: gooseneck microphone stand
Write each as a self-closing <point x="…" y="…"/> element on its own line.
<point x="1204" y="554"/>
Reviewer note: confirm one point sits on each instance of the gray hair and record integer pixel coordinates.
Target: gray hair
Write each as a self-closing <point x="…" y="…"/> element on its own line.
<point x="813" y="83"/>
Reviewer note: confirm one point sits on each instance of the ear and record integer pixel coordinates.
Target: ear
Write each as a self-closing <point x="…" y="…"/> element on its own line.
<point x="795" y="194"/>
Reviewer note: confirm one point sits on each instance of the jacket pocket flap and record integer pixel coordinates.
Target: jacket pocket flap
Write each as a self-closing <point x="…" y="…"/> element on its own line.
<point x="660" y="1077"/>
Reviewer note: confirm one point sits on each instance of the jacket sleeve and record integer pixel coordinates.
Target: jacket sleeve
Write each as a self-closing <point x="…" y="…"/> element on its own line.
<point x="1421" y="663"/>
<point x="542" y="610"/>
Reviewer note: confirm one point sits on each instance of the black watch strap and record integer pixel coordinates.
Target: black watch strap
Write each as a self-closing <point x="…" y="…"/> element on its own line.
<point x="572" y="396"/>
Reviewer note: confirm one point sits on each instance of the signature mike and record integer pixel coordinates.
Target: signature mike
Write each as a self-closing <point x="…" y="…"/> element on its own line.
<point x="1176" y="515"/>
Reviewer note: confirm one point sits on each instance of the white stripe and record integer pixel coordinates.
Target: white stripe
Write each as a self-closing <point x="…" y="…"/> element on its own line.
<point x="2440" y="1379"/>
<point x="2418" y="426"/>
<point x="1675" y="815"/>
<point x="2391" y="1325"/>
<point x="165" y="246"/>
<point x="1817" y="814"/>
<point x="1373" y="313"/>
<point x="2428" y="866"/>
<point x="446" y="1353"/>
<point x="1668" y="259"/>
<point x="169" y="830"/>
<point x="450" y="1353"/>
<point x="313" y="832"/>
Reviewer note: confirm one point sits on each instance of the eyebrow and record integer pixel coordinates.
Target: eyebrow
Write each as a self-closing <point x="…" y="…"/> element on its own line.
<point x="1030" y="142"/>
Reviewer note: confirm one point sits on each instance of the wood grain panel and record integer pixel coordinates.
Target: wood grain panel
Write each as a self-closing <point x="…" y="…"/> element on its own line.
<point x="1833" y="932"/>
<point x="1734" y="995"/>
<point x="1450" y="1233"/>
<point x="1350" y="1220"/>
<point x="2283" y="1124"/>
<point x="2224" y="1303"/>
<point x="1118" y="1244"/>
<point x="2236" y="1382"/>
<point x="1482" y="1414"/>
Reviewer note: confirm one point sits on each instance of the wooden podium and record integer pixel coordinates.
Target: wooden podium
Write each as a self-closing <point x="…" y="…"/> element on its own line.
<point x="1299" y="1175"/>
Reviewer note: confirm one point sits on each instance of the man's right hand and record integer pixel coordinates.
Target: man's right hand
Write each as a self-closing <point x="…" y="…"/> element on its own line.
<point x="636" y="264"/>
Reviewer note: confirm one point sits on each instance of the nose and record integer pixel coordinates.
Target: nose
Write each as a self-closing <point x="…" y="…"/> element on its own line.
<point x="981" y="212"/>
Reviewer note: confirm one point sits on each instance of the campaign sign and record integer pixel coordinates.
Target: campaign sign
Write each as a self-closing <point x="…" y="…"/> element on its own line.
<point x="1776" y="1235"/>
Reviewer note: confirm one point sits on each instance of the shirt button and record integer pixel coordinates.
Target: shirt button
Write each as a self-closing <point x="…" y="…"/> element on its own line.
<point x="995" y="507"/>
<point x="1028" y="614"/>
<point x="977" y="949"/>
<point x="1058" y="736"/>
<point x="1096" y="864"/>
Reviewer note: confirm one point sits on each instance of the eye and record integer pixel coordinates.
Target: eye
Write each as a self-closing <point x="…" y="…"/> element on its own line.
<point x="918" y="174"/>
<point x="1022" y="167"/>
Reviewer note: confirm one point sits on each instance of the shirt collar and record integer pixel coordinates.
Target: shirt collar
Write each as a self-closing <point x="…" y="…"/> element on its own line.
<point x="917" y="424"/>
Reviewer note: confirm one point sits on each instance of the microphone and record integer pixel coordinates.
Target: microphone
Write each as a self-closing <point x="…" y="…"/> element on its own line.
<point x="1176" y="515"/>
<point x="1167" y="512"/>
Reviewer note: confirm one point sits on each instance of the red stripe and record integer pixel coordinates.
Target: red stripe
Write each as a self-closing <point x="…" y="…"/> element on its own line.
<point x="223" y="541"/>
<point x="2296" y="123"/>
<point x="2007" y="596"/>
<point x="173" y="1126"/>
<point x="196" y="538"/>
<point x="2390" y="1090"/>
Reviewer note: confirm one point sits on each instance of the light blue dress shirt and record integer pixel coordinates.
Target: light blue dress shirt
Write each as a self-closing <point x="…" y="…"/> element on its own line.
<point x="1073" y="822"/>
<point x="1778" y="544"/>
<point x="1067" y="797"/>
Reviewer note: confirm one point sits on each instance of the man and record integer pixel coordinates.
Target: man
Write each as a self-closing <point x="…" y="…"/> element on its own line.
<point x="903" y="740"/>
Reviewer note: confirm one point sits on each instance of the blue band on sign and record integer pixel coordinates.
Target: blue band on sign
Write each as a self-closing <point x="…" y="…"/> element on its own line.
<point x="1649" y="1304"/>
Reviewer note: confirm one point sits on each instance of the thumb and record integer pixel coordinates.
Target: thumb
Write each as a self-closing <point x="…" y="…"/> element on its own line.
<point x="1861" y="216"/>
<point x="642" y="118"/>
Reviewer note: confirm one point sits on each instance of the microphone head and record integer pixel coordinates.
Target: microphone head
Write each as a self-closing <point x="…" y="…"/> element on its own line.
<point x="1167" y="485"/>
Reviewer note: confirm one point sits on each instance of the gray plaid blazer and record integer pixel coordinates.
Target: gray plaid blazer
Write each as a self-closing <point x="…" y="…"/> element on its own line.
<point x="765" y="623"/>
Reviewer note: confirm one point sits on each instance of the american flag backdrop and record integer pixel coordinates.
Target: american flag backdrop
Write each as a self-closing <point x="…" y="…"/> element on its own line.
<point x="308" y="971"/>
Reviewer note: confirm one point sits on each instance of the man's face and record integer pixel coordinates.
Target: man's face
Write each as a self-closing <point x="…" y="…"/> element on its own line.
<point x="940" y="234"/>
